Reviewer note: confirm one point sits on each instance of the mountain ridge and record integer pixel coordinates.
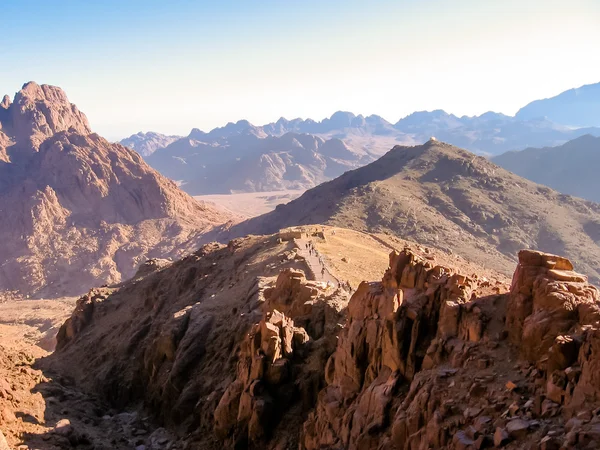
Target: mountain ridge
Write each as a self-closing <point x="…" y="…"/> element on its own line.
<point x="570" y="168"/>
<point x="446" y="197"/>
<point x="574" y="107"/>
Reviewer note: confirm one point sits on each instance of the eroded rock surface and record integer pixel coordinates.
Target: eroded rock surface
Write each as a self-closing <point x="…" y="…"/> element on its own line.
<point x="426" y="358"/>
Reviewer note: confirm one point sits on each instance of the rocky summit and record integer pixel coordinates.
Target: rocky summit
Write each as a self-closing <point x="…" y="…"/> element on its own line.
<point x="76" y="210"/>
<point x="241" y="346"/>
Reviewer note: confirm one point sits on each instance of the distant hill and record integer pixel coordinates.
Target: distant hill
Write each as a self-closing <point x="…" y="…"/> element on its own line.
<point x="578" y="107"/>
<point x="77" y="211"/>
<point x="446" y="197"/>
<point x="571" y="168"/>
<point x="147" y="143"/>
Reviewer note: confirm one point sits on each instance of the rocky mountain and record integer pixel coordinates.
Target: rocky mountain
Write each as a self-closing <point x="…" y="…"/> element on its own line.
<point x="445" y="197"/>
<point x="76" y="210"/>
<point x="238" y="347"/>
<point x="570" y="168"/>
<point x="578" y="107"/>
<point x="339" y="122"/>
<point x="147" y="143"/>
<point x="241" y="158"/>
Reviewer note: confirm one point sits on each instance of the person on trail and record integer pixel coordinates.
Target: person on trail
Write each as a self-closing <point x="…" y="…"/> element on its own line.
<point x="323" y="271"/>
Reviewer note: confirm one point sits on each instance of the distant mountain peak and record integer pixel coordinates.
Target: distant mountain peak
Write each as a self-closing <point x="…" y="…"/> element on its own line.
<point x="574" y="107"/>
<point x="196" y="133"/>
<point x="5" y="102"/>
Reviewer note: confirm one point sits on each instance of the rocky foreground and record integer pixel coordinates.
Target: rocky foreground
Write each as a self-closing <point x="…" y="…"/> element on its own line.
<point x="234" y="347"/>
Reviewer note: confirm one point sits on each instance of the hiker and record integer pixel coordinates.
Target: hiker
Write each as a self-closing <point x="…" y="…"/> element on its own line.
<point x="323" y="271"/>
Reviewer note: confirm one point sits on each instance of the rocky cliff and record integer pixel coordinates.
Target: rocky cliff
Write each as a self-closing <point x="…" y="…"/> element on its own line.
<point x="78" y="211"/>
<point x="234" y="348"/>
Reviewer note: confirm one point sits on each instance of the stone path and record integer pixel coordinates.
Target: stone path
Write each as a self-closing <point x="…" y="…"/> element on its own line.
<point x="313" y="262"/>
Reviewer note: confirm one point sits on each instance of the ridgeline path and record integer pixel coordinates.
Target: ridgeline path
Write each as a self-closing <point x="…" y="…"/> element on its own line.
<point x="312" y="259"/>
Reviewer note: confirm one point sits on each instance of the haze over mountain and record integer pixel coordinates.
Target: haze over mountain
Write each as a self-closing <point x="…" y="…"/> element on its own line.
<point x="571" y="168"/>
<point x="489" y="133"/>
<point x="76" y="210"/>
<point x="446" y="197"/>
<point x="243" y="158"/>
<point x="579" y="107"/>
<point x="147" y="143"/>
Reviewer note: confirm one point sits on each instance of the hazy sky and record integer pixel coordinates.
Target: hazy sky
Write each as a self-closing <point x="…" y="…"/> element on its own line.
<point x="168" y="66"/>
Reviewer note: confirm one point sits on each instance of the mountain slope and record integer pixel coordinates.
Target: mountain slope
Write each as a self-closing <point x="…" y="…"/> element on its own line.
<point x="147" y="143"/>
<point x="78" y="211"/>
<point x="442" y="196"/>
<point x="575" y="107"/>
<point x="571" y="168"/>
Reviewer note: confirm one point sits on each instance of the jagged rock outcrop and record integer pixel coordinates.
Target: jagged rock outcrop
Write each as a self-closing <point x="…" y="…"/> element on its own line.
<point x="389" y="380"/>
<point x="78" y="211"/>
<point x="395" y="329"/>
<point x="428" y="358"/>
<point x="279" y="362"/>
<point x="229" y="342"/>
<point x="547" y="300"/>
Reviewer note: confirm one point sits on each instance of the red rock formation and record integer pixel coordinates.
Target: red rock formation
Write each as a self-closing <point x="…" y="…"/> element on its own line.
<point x="78" y="211"/>
<point x="422" y="362"/>
<point x="547" y="299"/>
<point x="278" y="361"/>
<point x="388" y="382"/>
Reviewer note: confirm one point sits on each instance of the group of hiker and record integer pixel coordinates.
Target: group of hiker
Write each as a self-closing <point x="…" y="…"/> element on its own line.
<point x="312" y="251"/>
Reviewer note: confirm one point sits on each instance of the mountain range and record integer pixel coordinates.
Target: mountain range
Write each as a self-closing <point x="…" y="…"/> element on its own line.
<point x="249" y="161"/>
<point x="147" y="143"/>
<point x="268" y="159"/>
<point x="77" y="210"/>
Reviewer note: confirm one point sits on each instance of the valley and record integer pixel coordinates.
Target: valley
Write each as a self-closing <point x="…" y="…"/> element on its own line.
<point x="251" y="204"/>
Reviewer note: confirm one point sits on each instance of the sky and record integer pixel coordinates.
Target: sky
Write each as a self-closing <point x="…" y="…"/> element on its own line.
<point x="170" y="66"/>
